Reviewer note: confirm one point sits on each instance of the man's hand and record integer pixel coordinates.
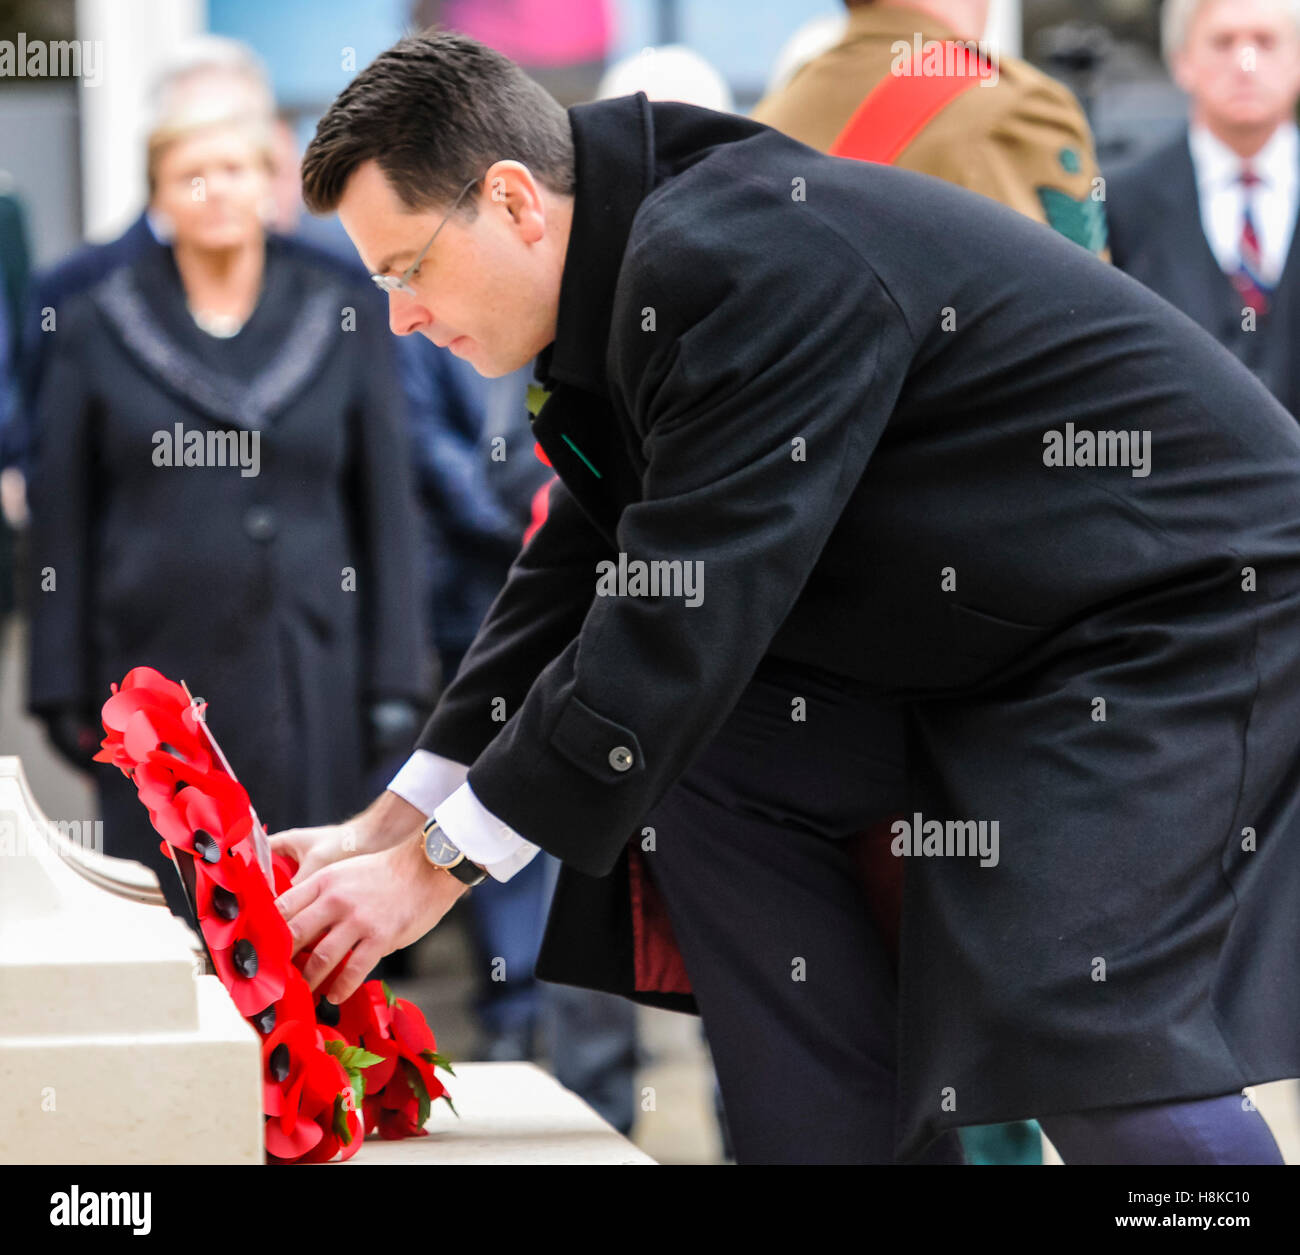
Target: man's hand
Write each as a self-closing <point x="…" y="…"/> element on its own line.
<point x="386" y="822"/>
<point x="370" y="905"/>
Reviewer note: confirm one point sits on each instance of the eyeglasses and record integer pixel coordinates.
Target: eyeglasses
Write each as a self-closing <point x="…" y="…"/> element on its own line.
<point x="401" y="283"/>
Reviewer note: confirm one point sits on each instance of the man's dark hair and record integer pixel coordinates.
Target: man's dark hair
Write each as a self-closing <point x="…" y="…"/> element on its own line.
<point x="435" y="111"/>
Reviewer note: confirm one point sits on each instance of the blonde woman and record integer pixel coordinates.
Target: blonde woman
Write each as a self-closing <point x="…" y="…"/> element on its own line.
<point x="221" y="489"/>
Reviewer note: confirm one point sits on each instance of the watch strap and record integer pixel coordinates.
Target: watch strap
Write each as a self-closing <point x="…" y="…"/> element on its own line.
<point x="464" y="871"/>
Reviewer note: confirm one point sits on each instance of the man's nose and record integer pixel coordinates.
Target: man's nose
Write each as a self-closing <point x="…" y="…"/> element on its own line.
<point x="405" y="314"/>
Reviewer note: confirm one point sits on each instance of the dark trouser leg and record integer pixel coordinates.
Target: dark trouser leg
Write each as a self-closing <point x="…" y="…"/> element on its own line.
<point x="591" y="1037"/>
<point x="794" y="984"/>
<point x="1223" y="1130"/>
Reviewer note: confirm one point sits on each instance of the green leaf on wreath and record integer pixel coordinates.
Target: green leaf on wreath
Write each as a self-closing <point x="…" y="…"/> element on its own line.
<point x="438" y="1061"/>
<point x="416" y="1082"/>
<point x="341" y="1121"/>
<point x="447" y="1099"/>
<point x="351" y="1057"/>
<point x="388" y="993"/>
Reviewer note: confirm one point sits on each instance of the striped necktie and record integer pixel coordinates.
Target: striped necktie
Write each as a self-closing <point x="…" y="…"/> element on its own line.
<point x="1248" y="278"/>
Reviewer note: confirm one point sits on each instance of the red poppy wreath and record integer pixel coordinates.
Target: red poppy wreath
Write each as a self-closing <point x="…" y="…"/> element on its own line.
<point x="330" y="1074"/>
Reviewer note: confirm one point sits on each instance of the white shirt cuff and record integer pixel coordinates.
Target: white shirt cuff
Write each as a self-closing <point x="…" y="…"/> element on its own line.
<point x="485" y="840"/>
<point x="438" y="787"/>
<point x="426" y="779"/>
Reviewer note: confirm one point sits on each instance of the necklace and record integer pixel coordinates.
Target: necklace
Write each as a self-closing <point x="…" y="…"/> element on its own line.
<point x="223" y="326"/>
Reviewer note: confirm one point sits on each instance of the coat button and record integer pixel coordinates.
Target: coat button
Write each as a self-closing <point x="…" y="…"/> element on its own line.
<point x="620" y="758"/>
<point x="260" y="523"/>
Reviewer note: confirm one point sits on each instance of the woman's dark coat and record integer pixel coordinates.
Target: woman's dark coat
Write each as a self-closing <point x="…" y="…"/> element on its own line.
<point x="290" y="599"/>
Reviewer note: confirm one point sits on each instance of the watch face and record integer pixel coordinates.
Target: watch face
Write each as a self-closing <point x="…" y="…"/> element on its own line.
<point x="437" y="849"/>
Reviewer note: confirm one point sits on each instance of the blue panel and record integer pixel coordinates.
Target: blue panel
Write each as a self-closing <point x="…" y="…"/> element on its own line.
<point x="303" y="41"/>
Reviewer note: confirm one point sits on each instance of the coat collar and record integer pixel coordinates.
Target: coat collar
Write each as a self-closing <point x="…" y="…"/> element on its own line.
<point x="613" y="174"/>
<point x="622" y="148"/>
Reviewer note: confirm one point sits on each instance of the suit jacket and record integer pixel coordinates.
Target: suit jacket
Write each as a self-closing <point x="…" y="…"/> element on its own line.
<point x="1157" y="237"/>
<point x="847" y="391"/>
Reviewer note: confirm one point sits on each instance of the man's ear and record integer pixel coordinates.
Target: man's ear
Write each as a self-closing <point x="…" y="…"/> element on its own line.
<point x="513" y="183"/>
<point x="1180" y="71"/>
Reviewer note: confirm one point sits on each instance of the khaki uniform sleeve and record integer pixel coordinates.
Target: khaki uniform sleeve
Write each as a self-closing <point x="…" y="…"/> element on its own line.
<point x="1035" y="154"/>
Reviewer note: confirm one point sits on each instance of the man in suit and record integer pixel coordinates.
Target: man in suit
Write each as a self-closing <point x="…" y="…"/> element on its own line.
<point x="768" y="423"/>
<point x="1208" y="220"/>
<point x="1015" y="134"/>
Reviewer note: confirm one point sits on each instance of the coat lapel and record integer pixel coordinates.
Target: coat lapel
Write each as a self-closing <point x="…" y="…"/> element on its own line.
<point x="236" y="402"/>
<point x="590" y="450"/>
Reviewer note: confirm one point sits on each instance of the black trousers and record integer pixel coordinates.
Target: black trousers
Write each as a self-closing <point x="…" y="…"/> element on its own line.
<point x="795" y="987"/>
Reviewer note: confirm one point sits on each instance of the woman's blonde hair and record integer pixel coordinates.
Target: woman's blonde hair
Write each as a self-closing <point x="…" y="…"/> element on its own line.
<point x="207" y="114"/>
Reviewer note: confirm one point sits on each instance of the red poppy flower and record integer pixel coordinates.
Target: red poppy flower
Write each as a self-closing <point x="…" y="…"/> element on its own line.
<point x="366" y="1013"/>
<point x="398" y="1111"/>
<point x="254" y="967"/>
<point x="204" y="813"/>
<point x="331" y="1143"/>
<point x="283" y="869"/>
<point x="414" y="1036"/>
<point x="291" y="1147"/>
<point x="143" y="688"/>
<point x="222" y="903"/>
<point x="299" y="1079"/>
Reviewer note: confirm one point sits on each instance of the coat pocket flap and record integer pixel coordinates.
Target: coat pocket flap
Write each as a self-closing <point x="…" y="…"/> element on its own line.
<point x="602" y="748"/>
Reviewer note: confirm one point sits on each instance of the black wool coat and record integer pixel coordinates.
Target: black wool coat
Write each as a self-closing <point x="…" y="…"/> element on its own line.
<point x="236" y="584"/>
<point x="730" y="296"/>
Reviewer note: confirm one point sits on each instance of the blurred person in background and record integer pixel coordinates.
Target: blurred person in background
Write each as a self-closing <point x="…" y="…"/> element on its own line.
<point x="14" y="275"/>
<point x="283" y="586"/>
<point x="1021" y="139"/>
<point x="204" y="67"/>
<point x="1208" y="220"/>
<point x="7" y="389"/>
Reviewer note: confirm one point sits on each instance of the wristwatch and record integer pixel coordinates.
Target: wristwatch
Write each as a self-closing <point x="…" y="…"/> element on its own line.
<point x="441" y="853"/>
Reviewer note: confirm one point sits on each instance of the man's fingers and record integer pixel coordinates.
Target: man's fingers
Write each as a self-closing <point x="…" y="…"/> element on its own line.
<point x="299" y="895"/>
<point x="313" y="848"/>
<point x="314" y="921"/>
<point x="330" y="951"/>
<point x="349" y="980"/>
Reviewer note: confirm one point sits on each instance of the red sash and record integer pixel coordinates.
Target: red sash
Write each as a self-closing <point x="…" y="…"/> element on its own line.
<point x="902" y="105"/>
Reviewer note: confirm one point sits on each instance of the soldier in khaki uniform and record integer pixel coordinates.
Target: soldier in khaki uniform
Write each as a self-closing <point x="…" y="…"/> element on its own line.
<point x="1019" y="137"/>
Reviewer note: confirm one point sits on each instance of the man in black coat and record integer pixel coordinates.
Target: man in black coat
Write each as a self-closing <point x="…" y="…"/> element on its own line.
<point x="862" y="479"/>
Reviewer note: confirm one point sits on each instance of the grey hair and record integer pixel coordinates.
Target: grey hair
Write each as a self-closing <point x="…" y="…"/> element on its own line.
<point x="209" y="56"/>
<point x="1176" y="20"/>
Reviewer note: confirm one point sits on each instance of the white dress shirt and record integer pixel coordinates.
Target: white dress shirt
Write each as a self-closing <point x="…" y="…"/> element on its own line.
<point x="1273" y="200"/>
<point x="438" y="787"/>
